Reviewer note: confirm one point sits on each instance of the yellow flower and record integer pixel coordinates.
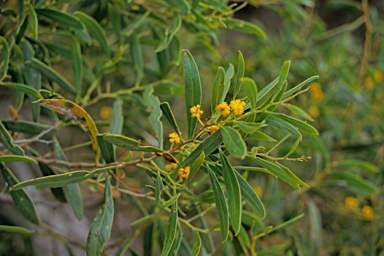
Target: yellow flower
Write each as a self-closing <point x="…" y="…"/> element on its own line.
<point x="351" y="202"/>
<point x="173" y="137"/>
<point x="313" y="112"/>
<point x="258" y="190"/>
<point x="212" y="129"/>
<point x="193" y="146"/>
<point x="367" y="212"/>
<point x="171" y="166"/>
<point x="369" y="83"/>
<point x="378" y="76"/>
<point x="224" y="108"/>
<point x="184" y="172"/>
<point x="316" y="92"/>
<point x="106" y="112"/>
<point x="195" y="111"/>
<point x="237" y="106"/>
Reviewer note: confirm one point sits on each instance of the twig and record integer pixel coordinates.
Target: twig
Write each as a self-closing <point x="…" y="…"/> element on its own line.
<point x="37" y="138"/>
<point x="367" y="44"/>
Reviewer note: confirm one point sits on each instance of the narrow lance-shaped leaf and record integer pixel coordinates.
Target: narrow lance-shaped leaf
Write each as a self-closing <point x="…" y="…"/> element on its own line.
<point x="281" y="124"/>
<point x="102" y="224"/>
<point x="51" y="74"/>
<point x="239" y="75"/>
<point x="95" y="30"/>
<point x="292" y="175"/>
<point x="61" y="18"/>
<point x="251" y="90"/>
<point x="21" y="198"/>
<point x="217" y="89"/>
<point x="195" y="167"/>
<point x="167" y="112"/>
<point x="77" y="66"/>
<point x="183" y="5"/>
<point x="24" y="88"/>
<point x="248" y="128"/>
<point x="269" y="230"/>
<point x="192" y="90"/>
<point x="357" y="163"/>
<point x="299" y="86"/>
<point x="137" y="58"/>
<point x="5" y="55"/>
<point x="171" y="228"/>
<point x="27" y="127"/>
<point x="298" y="111"/>
<point x="106" y="148"/>
<point x="233" y="141"/>
<point x="297" y="123"/>
<point x="117" y="119"/>
<point x="13" y="158"/>
<point x="227" y="82"/>
<point x="221" y="205"/>
<point x="355" y="181"/>
<point x="15" y="229"/>
<point x="153" y="105"/>
<point x="243" y="26"/>
<point x="129" y="143"/>
<point x="196" y="246"/>
<point x="7" y="141"/>
<point x="32" y="20"/>
<point x="159" y="189"/>
<point x="170" y="32"/>
<point x="283" y="76"/>
<point x="233" y="193"/>
<point x="260" y="136"/>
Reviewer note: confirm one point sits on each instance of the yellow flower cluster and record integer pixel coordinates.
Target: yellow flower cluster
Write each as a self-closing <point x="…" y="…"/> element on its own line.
<point x="316" y="92"/>
<point x="212" y="129"/>
<point x="351" y="202"/>
<point x="106" y="112"/>
<point x="367" y="212"/>
<point x="173" y="137"/>
<point x="224" y="108"/>
<point x="237" y="106"/>
<point x="378" y="76"/>
<point x="184" y="172"/>
<point x="171" y="166"/>
<point x="313" y="112"/>
<point x="370" y="83"/>
<point x="195" y="111"/>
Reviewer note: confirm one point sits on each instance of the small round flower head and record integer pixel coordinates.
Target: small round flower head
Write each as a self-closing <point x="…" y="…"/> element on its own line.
<point x="171" y="166"/>
<point x="313" y="112"/>
<point x="106" y="112"/>
<point x="378" y="76"/>
<point x="367" y="212"/>
<point x="224" y="108"/>
<point x="237" y="106"/>
<point x="184" y="172"/>
<point x="351" y="202"/>
<point x="195" y="111"/>
<point x="316" y="92"/>
<point x="369" y="83"/>
<point x="174" y="137"/>
<point x="212" y="129"/>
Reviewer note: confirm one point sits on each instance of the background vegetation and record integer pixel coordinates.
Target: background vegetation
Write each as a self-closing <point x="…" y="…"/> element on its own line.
<point x="105" y="64"/>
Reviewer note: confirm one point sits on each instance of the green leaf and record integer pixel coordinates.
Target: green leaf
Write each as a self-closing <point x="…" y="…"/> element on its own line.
<point x="15" y="229"/>
<point x="170" y="32"/>
<point x="228" y="76"/>
<point x="153" y="106"/>
<point x="298" y="87"/>
<point x="318" y="143"/>
<point x="167" y="111"/>
<point x="24" y="88"/>
<point x="357" y="163"/>
<point x="233" y="193"/>
<point x="277" y="171"/>
<point x="243" y="26"/>
<point x="251" y="90"/>
<point x="171" y="228"/>
<point x="250" y="195"/>
<point x="102" y="224"/>
<point x="106" y="149"/>
<point x="217" y="89"/>
<point x="269" y="230"/>
<point x="117" y="119"/>
<point x="5" y="53"/>
<point x="267" y="88"/>
<point x="243" y="236"/>
<point x="233" y="141"/>
<point x="250" y="219"/>
<point x="292" y="175"/>
<point x="61" y="18"/>
<point x="32" y="20"/>
<point x="298" y="111"/>
<point x="169" y="90"/>
<point x="195" y="167"/>
<point x="13" y="158"/>
<point x="283" y="125"/>
<point x="183" y="5"/>
<point x="7" y="141"/>
<point x="129" y="143"/>
<point x="355" y="181"/>
<point x="207" y="146"/>
<point x="95" y="30"/>
<point x="21" y="198"/>
<point x="137" y="58"/>
<point x="177" y="242"/>
<point x="248" y="128"/>
<point x="221" y="205"/>
<point x="159" y="188"/>
<point x="283" y="76"/>
<point x="239" y="75"/>
<point x="297" y="123"/>
<point x="27" y="127"/>
<point x="196" y="246"/>
<point x="260" y="136"/>
<point x="192" y="89"/>
<point x="51" y="74"/>
<point x="77" y="66"/>
<point x="294" y="146"/>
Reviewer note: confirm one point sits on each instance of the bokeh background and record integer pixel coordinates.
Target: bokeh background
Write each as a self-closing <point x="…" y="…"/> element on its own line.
<point x="341" y="41"/>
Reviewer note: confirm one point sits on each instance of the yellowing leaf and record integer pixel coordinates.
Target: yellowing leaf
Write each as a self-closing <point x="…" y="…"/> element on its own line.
<point x="81" y="116"/>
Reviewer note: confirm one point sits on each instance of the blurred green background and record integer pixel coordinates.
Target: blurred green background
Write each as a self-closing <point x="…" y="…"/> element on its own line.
<point x="342" y="42"/>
